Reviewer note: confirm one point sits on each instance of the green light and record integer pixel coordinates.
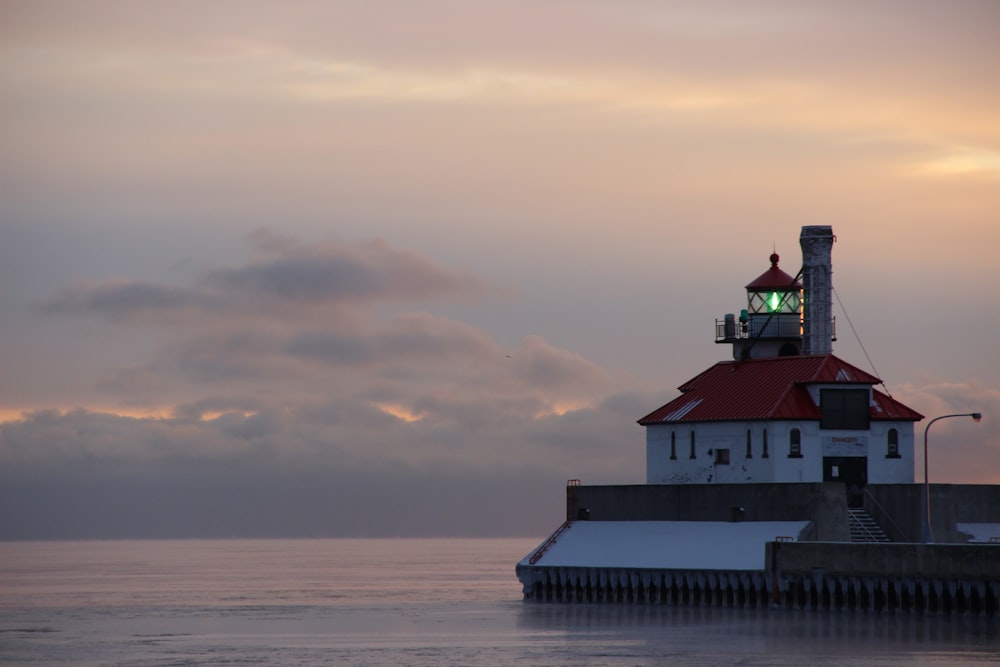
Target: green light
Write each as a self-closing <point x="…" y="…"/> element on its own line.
<point x="774" y="300"/>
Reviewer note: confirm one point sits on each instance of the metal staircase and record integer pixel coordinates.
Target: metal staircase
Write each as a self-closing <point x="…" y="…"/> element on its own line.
<point x="863" y="527"/>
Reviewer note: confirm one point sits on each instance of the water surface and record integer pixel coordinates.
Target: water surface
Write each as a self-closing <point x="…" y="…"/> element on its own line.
<point x="401" y="602"/>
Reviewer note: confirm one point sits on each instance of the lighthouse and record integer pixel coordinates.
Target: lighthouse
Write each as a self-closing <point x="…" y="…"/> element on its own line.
<point x="785" y="409"/>
<point x="774" y="479"/>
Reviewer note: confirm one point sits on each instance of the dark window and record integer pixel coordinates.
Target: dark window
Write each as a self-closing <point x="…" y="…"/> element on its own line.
<point x="692" y="444"/>
<point x="892" y="444"/>
<point x="673" y="445"/>
<point x="844" y="409"/>
<point x="749" y="445"/>
<point x="795" y="444"/>
<point x="764" y="455"/>
<point x="722" y="457"/>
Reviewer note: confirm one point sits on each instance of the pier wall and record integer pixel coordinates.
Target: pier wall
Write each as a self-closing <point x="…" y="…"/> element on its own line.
<point x="954" y="561"/>
<point x="898" y="508"/>
<point x="921" y="578"/>
<point x="825" y="504"/>
<point x="930" y="578"/>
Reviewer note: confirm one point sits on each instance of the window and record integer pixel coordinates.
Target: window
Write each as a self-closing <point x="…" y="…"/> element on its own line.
<point x="749" y="445"/>
<point x="844" y="409"/>
<point x="892" y="444"/>
<point x="795" y="444"/>
<point x="692" y="444"/>
<point x="721" y="457"/>
<point x="673" y="445"/>
<point x="764" y="455"/>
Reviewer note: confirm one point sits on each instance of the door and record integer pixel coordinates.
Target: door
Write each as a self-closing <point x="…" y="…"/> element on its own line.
<point x="852" y="471"/>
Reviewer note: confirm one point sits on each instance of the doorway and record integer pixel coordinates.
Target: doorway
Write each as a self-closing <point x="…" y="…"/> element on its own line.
<point x="852" y="471"/>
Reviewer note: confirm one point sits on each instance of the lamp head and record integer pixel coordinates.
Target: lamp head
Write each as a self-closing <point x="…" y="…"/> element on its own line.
<point x="976" y="416"/>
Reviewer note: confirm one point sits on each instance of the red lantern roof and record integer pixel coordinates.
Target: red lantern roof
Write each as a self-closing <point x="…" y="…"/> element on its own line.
<point x="774" y="278"/>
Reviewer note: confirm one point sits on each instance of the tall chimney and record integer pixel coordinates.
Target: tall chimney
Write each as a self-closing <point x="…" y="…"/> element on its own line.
<point x="817" y="286"/>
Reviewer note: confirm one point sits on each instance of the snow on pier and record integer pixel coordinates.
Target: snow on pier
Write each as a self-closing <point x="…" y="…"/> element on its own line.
<point x="661" y="562"/>
<point x="672" y="545"/>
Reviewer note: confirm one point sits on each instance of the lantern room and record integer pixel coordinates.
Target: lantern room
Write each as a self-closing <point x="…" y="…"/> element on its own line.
<point x="774" y="291"/>
<point x="771" y="324"/>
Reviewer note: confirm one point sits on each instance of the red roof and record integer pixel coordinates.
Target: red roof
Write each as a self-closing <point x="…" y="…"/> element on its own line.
<point x="770" y="388"/>
<point x="774" y="278"/>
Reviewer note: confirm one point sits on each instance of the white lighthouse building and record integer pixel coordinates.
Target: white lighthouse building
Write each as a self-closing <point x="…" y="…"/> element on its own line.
<point x="785" y="409"/>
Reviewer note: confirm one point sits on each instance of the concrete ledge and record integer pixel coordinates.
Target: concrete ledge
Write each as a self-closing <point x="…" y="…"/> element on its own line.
<point x="822" y="504"/>
<point x="979" y="562"/>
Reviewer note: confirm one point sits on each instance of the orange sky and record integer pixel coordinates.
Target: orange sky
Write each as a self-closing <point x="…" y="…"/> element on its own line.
<point x="535" y="213"/>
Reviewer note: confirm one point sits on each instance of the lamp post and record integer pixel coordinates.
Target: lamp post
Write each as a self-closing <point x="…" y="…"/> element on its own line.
<point x="928" y="535"/>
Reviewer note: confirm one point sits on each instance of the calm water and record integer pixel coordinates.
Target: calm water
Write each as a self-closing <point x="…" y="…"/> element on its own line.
<point x="400" y="602"/>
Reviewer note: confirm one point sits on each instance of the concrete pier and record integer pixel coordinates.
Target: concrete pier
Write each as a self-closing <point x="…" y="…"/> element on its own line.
<point x="926" y="579"/>
<point x="766" y="546"/>
<point x="646" y="586"/>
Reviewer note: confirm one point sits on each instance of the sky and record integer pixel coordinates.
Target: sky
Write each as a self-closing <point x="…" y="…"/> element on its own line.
<point x="403" y="268"/>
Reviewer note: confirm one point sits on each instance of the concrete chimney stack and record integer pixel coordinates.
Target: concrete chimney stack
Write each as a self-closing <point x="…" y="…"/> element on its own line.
<point x="817" y="287"/>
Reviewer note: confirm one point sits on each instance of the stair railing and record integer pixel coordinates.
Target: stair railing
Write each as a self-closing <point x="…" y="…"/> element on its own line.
<point x="549" y="542"/>
<point x="884" y="513"/>
<point x="861" y="527"/>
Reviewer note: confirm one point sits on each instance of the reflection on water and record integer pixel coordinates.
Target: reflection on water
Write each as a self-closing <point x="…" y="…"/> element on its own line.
<point x="775" y="636"/>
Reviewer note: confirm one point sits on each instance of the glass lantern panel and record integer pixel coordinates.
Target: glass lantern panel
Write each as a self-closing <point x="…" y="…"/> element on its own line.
<point x="774" y="301"/>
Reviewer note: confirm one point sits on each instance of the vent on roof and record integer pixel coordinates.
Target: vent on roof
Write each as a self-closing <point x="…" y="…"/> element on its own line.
<point x="681" y="411"/>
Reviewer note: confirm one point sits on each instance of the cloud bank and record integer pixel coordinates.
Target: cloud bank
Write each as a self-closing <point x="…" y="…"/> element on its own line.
<point x="312" y="381"/>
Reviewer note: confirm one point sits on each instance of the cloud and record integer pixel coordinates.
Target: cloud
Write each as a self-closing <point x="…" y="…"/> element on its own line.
<point x="281" y="501"/>
<point x="540" y="364"/>
<point x="331" y="272"/>
<point x="288" y="276"/>
<point x="121" y="299"/>
<point x="339" y="320"/>
<point x="964" y="162"/>
<point x="409" y="335"/>
<point x="316" y="472"/>
<point x="295" y="376"/>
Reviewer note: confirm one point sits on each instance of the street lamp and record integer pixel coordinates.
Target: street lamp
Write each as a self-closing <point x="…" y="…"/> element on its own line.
<point x="928" y="535"/>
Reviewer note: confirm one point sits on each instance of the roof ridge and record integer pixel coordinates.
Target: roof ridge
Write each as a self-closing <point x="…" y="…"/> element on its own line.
<point x="768" y="388"/>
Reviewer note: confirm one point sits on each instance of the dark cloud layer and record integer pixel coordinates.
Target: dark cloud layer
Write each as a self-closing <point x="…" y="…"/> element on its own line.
<point x="83" y="474"/>
<point x="239" y="501"/>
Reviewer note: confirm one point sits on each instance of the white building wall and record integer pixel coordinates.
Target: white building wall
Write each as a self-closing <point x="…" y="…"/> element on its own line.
<point x="806" y="468"/>
<point x="778" y="465"/>
<point x="883" y="469"/>
<point x="710" y="437"/>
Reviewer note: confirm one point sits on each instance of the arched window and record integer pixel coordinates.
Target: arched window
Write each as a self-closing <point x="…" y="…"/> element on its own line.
<point x="764" y="455"/>
<point x="795" y="444"/>
<point x="749" y="445"/>
<point x="692" y="445"/>
<point x="892" y="444"/>
<point x="673" y="445"/>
